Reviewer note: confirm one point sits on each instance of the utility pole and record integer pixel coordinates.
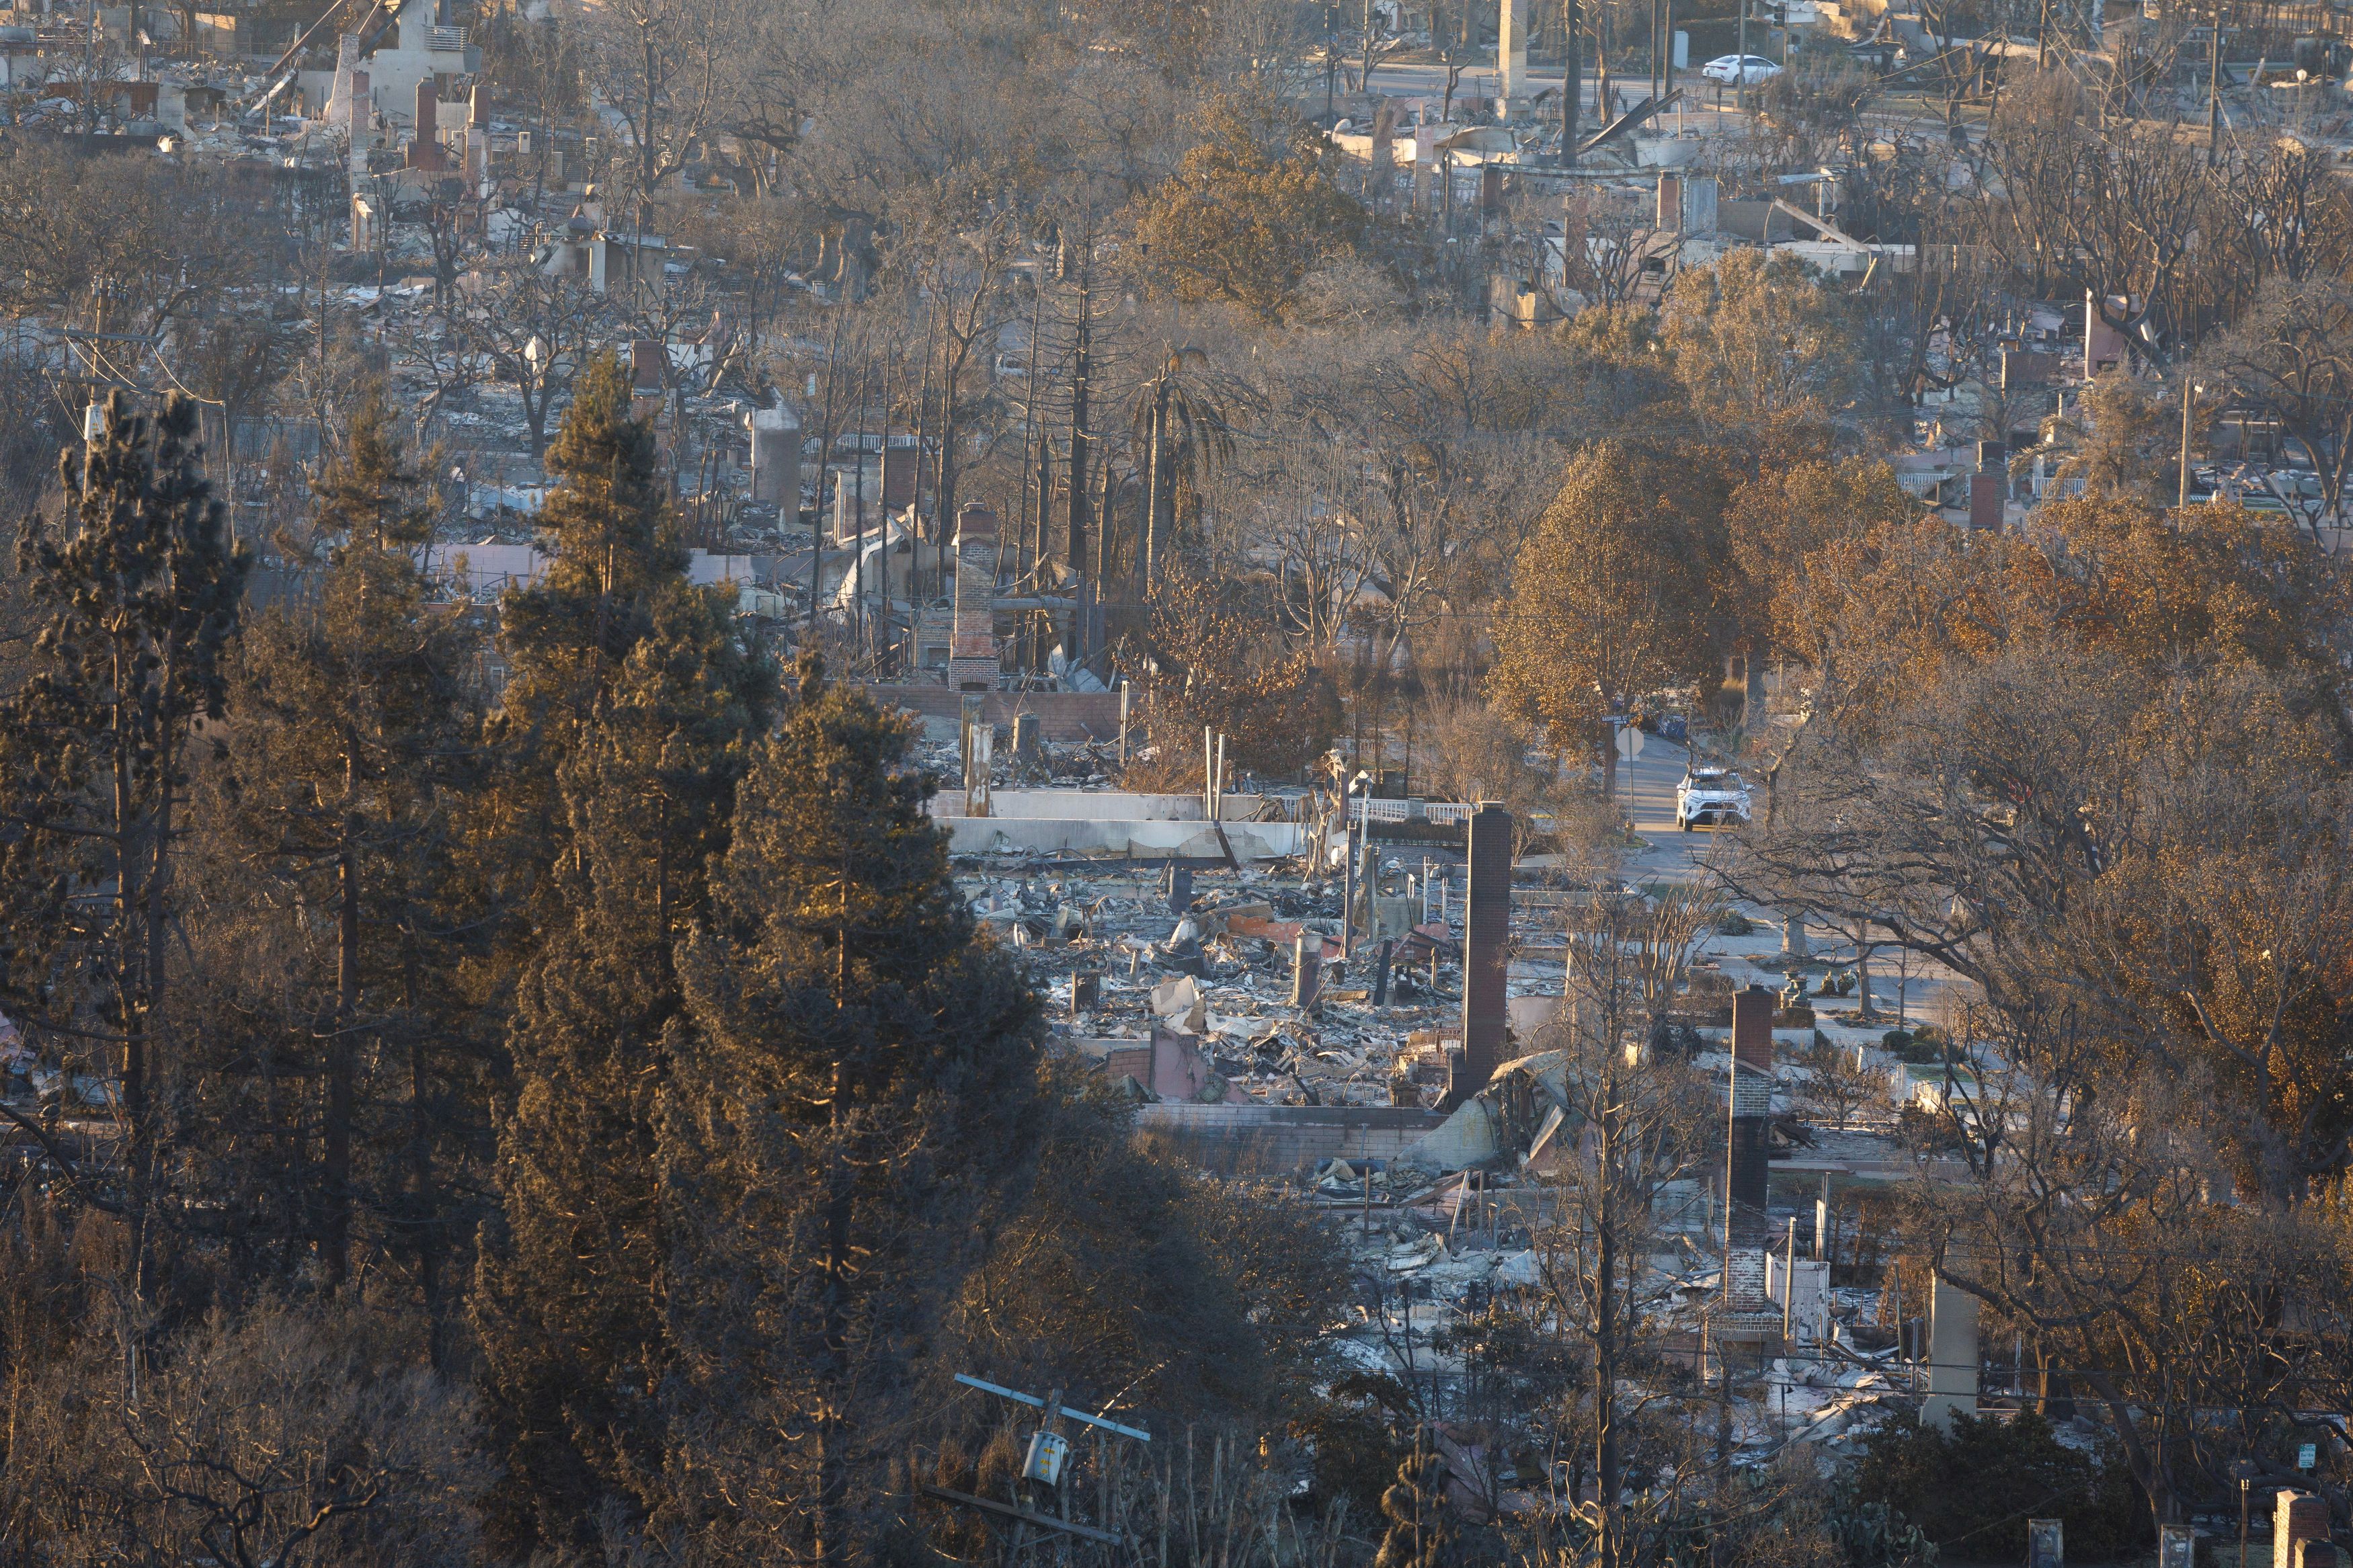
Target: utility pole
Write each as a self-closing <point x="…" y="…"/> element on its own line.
<point x="882" y="594"/>
<point x="1102" y="515"/>
<point x="1572" y="82"/>
<point x="1031" y="431"/>
<point x="1654" y="79"/>
<point x="857" y="498"/>
<point x="1155" y="487"/>
<point x="1331" y="56"/>
<point x="1667" y="47"/>
<point x="1078" y="508"/>
<point x="825" y="435"/>
<point x="1346" y="897"/>
<point x="2214" y="91"/>
<point x="89" y="78"/>
<point x="1740" y="68"/>
<point x="1043" y="1465"/>
<point x="2188" y="396"/>
<point x="923" y="432"/>
<point x="1788" y="1280"/>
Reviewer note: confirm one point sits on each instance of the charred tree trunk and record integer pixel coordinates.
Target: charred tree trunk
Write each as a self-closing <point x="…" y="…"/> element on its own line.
<point x="335" y="1226"/>
<point x="1077" y="543"/>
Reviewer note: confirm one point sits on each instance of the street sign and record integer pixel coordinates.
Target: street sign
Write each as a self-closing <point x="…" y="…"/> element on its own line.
<point x="2308" y="1456"/>
<point x="1629" y="741"/>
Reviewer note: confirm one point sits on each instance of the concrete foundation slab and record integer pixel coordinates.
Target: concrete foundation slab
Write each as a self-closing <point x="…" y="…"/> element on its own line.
<point x="1280" y="1138"/>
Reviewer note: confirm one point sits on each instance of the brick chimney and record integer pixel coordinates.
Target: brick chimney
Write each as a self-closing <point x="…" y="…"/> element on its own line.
<point x="2297" y="1517"/>
<point x="1748" y="1141"/>
<point x="424" y="150"/>
<point x="645" y="379"/>
<point x="1486" y="938"/>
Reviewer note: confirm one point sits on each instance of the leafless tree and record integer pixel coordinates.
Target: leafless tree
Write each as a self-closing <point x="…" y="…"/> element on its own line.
<point x="279" y="1438"/>
<point x="2109" y="213"/>
<point x="2292" y="356"/>
<point x="668" y="69"/>
<point x="529" y="332"/>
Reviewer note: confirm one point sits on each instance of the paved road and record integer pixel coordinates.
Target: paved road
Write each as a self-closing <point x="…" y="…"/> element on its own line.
<point x="1651" y="779"/>
<point x="1430" y="81"/>
<point x="1698" y="115"/>
<point x="1701" y="113"/>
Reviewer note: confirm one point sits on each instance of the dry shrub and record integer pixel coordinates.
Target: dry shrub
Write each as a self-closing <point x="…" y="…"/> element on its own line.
<point x="1468" y="751"/>
<point x="284" y="1433"/>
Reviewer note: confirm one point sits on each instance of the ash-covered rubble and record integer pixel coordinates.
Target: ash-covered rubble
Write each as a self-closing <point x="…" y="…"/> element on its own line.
<point x="1212" y="960"/>
<point x="1082" y="764"/>
<point x="1205" y="989"/>
<point x="1439" y="1256"/>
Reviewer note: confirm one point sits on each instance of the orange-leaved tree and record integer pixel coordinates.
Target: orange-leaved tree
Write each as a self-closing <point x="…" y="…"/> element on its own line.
<point x="1627" y="585"/>
<point x="1249" y="213"/>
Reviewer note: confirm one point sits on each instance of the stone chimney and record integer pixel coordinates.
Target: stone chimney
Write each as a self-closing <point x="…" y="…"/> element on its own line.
<point x="972" y="643"/>
<point x="1512" y="50"/>
<point x="478" y="138"/>
<point x="339" y="97"/>
<point x="1952" y="1356"/>
<point x="362" y="136"/>
<point x="776" y="457"/>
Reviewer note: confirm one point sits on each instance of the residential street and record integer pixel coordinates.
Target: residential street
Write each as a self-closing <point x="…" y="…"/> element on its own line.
<point x="1651" y="779"/>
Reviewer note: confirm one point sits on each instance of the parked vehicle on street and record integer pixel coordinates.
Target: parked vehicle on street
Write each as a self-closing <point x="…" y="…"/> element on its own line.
<point x="1740" y="70"/>
<point x="1710" y="795"/>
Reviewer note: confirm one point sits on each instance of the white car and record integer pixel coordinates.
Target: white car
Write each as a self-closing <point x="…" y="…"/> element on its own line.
<point x="1740" y="70"/>
<point x="1713" y="795"/>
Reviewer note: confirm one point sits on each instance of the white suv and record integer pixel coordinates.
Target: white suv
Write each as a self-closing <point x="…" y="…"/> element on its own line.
<point x="1713" y="795"/>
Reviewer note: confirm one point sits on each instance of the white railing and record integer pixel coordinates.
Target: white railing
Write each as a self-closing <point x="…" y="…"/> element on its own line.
<point x="1444" y="813"/>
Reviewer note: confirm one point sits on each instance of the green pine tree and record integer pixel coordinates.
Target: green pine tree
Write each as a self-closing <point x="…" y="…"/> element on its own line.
<point x="633" y="709"/>
<point x="618" y="577"/>
<point x="137" y="585"/>
<point x="370" y="496"/>
<point x="615" y="546"/>
<point x="855" y="1090"/>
